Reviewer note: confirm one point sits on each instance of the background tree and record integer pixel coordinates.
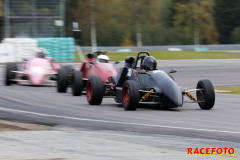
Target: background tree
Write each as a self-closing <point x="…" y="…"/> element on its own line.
<point x="227" y="15"/>
<point x="165" y="22"/>
<point x="235" y="35"/>
<point x="80" y="13"/>
<point x="109" y="24"/>
<point x="71" y="5"/>
<point x="1" y="19"/>
<point x="1" y="8"/>
<point x="143" y="17"/>
<point x="184" y="20"/>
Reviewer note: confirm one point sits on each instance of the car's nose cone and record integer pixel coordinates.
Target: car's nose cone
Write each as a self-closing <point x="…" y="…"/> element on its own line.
<point x="36" y="75"/>
<point x="175" y="95"/>
<point x="37" y="79"/>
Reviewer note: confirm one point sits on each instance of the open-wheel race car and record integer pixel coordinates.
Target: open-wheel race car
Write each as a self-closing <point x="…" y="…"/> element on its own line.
<point x="140" y="83"/>
<point x="97" y="64"/>
<point x="38" y="70"/>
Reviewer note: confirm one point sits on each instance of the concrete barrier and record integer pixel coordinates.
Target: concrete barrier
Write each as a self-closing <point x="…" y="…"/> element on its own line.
<point x="22" y="47"/>
<point x="6" y="53"/>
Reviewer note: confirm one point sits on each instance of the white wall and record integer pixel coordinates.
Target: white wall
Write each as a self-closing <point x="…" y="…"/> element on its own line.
<point x="22" y="48"/>
<point x="6" y="53"/>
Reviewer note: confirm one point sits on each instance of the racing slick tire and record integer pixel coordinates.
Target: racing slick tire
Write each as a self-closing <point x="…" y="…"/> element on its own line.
<point x="77" y="83"/>
<point x="9" y="74"/>
<point x="131" y="95"/>
<point x="95" y="90"/>
<point x="205" y="97"/>
<point x="62" y="80"/>
<point x="69" y="70"/>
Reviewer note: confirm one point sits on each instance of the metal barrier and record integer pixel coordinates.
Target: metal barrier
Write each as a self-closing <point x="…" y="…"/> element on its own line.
<point x="164" y="48"/>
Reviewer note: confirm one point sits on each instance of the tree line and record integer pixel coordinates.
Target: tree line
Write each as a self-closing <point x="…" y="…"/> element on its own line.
<point x="153" y="22"/>
<point x="160" y="22"/>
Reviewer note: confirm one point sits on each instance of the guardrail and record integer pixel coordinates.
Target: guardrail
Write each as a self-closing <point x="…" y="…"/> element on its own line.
<point x="167" y="47"/>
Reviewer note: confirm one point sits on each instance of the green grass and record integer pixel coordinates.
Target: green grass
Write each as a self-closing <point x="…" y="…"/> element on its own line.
<point x="76" y="57"/>
<point x="232" y="90"/>
<point x="177" y="55"/>
<point x="120" y="56"/>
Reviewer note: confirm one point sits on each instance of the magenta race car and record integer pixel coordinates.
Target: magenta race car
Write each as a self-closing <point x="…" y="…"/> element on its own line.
<point x="39" y="70"/>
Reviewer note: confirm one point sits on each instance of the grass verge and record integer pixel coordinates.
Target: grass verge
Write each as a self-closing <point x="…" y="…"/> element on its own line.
<point x="164" y="55"/>
<point x="228" y="90"/>
<point x="177" y="55"/>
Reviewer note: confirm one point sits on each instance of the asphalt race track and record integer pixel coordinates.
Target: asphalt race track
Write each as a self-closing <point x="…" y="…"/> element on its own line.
<point x="221" y="124"/>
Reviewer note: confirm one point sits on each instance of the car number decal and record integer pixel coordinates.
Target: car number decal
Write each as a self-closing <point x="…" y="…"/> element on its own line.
<point x="129" y="73"/>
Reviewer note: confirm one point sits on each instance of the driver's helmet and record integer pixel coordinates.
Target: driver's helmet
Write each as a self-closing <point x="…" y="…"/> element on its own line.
<point x="149" y="63"/>
<point x="102" y="59"/>
<point x="40" y="53"/>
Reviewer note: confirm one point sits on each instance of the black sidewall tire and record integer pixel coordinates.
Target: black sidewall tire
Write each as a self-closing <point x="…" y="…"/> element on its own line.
<point x="134" y="95"/>
<point x="97" y="90"/>
<point x="208" y="93"/>
<point x="62" y="80"/>
<point x="9" y="74"/>
<point x="68" y="68"/>
<point x="77" y="83"/>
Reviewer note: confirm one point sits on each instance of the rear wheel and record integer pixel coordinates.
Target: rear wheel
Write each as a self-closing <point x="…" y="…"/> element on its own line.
<point x="131" y="95"/>
<point x="69" y="68"/>
<point x="62" y="80"/>
<point x="77" y="83"/>
<point x="205" y="97"/>
<point x="70" y="71"/>
<point x="95" y="90"/>
<point x="9" y="74"/>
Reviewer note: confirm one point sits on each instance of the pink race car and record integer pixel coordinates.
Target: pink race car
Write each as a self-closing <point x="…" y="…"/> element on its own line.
<point x="35" y="71"/>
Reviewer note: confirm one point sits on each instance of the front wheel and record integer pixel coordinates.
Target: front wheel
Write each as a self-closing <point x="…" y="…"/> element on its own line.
<point x="205" y="97"/>
<point x="69" y="68"/>
<point x="62" y="80"/>
<point x="131" y="95"/>
<point x="77" y="83"/>
<point x="70" y="71"/>
<point x="9" y="74"/>
<point x="95" y="90"/>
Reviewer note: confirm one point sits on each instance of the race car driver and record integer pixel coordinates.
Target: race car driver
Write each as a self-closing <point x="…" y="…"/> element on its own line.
<point x="102" y="59"/>
<point x="149" y="63"/>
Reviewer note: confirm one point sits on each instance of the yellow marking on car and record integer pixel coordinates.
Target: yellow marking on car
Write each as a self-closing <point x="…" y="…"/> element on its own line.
<point x="190" y="95"/>
<point x="146" y="96"/>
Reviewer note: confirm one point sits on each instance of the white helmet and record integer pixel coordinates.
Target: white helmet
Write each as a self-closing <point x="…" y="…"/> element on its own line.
<point x="102" y="59"/>
<point x="41" y="52"/>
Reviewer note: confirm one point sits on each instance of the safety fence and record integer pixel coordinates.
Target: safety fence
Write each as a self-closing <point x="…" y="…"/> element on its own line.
<point x="166" y="48"/>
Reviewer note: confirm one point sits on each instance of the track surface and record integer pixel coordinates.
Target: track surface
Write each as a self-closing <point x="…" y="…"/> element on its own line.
<point x="44" y="105"/>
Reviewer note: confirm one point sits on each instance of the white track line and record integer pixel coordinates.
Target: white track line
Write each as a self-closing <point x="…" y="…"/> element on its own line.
<point x="115" y="122"/>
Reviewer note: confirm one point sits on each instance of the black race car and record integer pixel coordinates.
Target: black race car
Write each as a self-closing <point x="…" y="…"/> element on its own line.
<point x="139" y="82"/>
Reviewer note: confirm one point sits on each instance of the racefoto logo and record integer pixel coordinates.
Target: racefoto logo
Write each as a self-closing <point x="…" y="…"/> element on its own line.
<point x="210" y="151"/>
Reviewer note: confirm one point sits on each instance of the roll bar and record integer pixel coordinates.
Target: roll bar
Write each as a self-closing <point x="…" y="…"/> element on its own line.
<point x="140" y="57"/>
